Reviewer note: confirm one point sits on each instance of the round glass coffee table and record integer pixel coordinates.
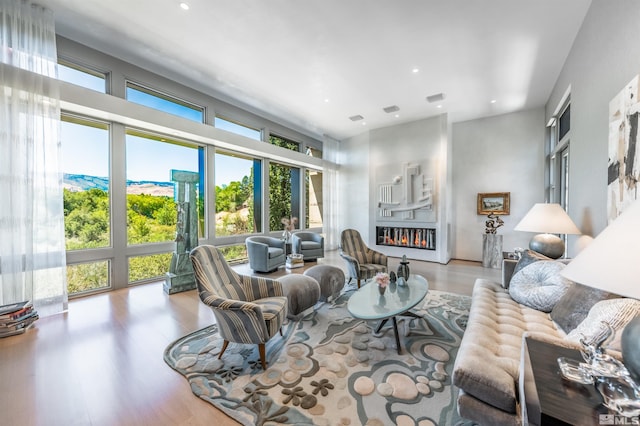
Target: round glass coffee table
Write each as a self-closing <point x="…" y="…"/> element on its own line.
<point x="367" y="303"/>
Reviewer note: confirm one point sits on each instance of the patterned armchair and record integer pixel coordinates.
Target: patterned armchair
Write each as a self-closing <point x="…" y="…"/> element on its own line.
<point x="363" y="263"/>
<point x="308" y="244"/>
<point x="247" y="309"/>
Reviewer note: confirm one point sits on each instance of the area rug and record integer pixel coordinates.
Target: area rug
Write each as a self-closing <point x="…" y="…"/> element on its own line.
<point x="332" y="369"/>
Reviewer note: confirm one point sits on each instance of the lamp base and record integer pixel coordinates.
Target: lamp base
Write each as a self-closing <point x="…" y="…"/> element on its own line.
<point x="630" y="341"/>
<point x="550" y="245"/>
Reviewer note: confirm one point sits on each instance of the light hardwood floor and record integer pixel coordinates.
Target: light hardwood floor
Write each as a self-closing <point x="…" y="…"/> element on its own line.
<point x="101" y="363"/>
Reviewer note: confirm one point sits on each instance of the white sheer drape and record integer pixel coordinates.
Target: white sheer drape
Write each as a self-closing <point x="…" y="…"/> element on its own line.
<point x="330" y="224"/>
<point x="32" y="247"/>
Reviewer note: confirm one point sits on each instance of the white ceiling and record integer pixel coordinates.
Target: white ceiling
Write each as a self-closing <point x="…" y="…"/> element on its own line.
<point x="315" y="63"/>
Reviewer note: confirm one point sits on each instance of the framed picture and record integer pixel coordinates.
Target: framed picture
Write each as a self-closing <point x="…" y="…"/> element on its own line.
<point x="493" y="202"/>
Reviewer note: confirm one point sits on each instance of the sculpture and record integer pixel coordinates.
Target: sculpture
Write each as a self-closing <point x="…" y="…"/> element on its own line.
<point x="492" y="224"/>
<point x="180" y="276"/>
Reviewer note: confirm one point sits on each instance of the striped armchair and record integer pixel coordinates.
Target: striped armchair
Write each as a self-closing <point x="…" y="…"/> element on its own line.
<point x="363" y="263"/>
<point x="247" y="309"/>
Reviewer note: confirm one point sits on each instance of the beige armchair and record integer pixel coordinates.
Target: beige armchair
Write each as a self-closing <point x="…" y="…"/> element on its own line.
<point x="247" y="309"/>
<point x="362" y="262"/>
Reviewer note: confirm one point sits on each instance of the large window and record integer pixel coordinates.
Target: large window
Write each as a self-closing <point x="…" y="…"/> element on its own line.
<point x="559" y="158"/>
<point x="82" y="76"/>
<point x="85" y="164"/>
<point x="160" y="101"/>
<point x="237" y="128"/>
<point x="313" y="199"/>
<point x="238" y="186"/>
<point x="284" y="143"/>
<point x="284" y="194"/>
<point x="151" y="205"/>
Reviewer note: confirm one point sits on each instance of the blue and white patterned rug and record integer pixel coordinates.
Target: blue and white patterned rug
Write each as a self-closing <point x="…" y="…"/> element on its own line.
<point x="331" y="369"/>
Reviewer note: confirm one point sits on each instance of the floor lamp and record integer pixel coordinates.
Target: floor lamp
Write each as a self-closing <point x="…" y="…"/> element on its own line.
<point x="612" y="263"/>
<point x="547" y="219"/>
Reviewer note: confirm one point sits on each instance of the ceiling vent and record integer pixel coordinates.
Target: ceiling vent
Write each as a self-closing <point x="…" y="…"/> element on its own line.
<point x="356" y="117"/>
<point x="390" y="109"/>
<point x="435" y="98"/>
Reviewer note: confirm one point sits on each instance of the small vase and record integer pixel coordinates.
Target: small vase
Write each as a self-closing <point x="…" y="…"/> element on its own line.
<point x="382" y="290"/>
<point x="403" y="269"/>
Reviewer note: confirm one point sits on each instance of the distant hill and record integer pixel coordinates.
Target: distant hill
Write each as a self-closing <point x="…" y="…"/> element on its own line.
<point x="85" y="182"/>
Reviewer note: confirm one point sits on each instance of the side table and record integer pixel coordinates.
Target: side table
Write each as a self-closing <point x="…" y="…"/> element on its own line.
<point x="546" y="398"/>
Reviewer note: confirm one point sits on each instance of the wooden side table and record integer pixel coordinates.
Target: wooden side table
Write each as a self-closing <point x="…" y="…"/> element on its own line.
<point x="546" y="398"/>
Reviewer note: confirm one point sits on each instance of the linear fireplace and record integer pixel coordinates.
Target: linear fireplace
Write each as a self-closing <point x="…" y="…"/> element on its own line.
<point x="418" y="238"/>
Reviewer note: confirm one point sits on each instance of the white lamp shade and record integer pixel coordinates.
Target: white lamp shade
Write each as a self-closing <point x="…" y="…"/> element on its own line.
<point x="611" y="261"/>
<point x="549" y="218"/>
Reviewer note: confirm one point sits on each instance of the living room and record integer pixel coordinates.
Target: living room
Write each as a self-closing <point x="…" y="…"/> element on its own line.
<point x="499" y="152"/>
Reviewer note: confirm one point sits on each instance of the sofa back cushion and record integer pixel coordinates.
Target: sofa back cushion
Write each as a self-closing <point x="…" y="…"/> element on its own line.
<point x="539" y="285"/>
<point x="575" y="304"/>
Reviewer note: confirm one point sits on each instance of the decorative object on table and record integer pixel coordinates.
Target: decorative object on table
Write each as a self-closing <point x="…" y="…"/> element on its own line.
<point x="180" y="276"/>
<point x="382" y="280"/>
<point x="289" y="225"/>
<point x="547" y="219"/>
<point x="294" y="261"/>
<point x="403" y="269"/>
<point x="492" y="242"/>
<point x="392" y="277"/>
<point x="611" y="263"/>
<point x="316" y="346"/>
<point x="623" y="155"/>
<point x="494" y="203"/>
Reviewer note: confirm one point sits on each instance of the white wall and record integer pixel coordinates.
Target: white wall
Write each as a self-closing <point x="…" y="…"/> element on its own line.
<point x="503" y="153"/>
<point x="393" y="145"/>
<point x="605" y="57"/>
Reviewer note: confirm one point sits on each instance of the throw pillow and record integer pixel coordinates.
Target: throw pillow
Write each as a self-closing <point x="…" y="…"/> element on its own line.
<point x="574" y="306"/>
<point x="539" y="285"/>
<point x="527" y="258"/>
<point x="615" y="312"/>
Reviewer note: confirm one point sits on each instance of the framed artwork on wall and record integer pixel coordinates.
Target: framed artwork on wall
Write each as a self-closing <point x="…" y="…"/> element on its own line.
<point x="493" y="202"/>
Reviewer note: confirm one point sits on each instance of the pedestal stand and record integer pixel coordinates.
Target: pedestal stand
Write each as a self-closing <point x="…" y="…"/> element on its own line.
<point x="492" y="250"/>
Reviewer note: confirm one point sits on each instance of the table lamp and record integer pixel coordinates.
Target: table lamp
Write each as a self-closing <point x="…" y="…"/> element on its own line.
<point x="611" y="262"/>
<point x="547" y="219"/>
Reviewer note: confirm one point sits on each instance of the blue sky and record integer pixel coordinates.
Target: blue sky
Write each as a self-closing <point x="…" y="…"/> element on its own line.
<point x="85" y="149"/>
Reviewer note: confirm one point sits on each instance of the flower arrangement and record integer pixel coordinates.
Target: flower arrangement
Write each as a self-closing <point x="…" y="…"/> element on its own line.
<point x="289" y="225"/>
<point x="382" y="279"/>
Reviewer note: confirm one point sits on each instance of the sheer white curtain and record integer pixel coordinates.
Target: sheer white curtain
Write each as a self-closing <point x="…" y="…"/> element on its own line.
<point x="330" y="224"/>
<point x="32" y="249"/>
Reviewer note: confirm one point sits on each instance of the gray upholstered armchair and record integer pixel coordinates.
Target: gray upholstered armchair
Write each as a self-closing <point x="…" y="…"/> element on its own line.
<point x="247" y="309"/>
<point x="265" y="253"/>
<point x="363" y="263"/>
<point x="308" y="244"/>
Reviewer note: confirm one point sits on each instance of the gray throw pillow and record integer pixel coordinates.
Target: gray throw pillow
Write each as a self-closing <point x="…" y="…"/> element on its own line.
<point x="539" y="285"/>
<point x="574" y="306"/>
<point x="527" y="258"/>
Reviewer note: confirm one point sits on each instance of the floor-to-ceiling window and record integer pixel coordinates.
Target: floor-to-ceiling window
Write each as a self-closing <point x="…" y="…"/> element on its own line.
<point x="121" y="217"/>
<point x="87" y="206"/>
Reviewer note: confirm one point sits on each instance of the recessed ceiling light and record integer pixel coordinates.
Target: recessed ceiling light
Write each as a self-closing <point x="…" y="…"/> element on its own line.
<point x="397" y="116"/>
<point x="364" y="124"/>
<point x="439" y="106"/>
<point x="493" y="101"/>
<point x="391" y="108"/>
<point x="326" y="100"/>
<point x="356" y="117"/>
<point x="184" y="6"/>
<point x="415" y="70"/>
